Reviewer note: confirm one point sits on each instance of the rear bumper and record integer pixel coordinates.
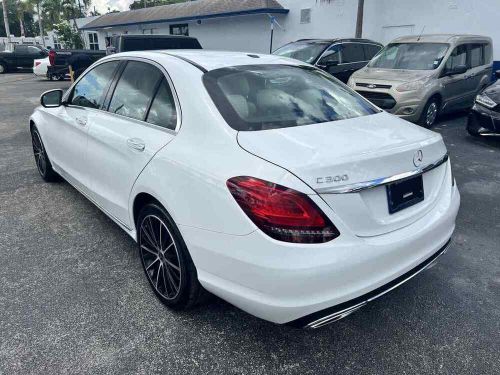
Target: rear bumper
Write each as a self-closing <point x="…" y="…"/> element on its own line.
<point x="282" y="282"/>
<point x="334" y="313"/>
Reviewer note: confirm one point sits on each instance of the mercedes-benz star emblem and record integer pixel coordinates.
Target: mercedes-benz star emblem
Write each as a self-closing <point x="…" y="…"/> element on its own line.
<point x="418" y="157"/>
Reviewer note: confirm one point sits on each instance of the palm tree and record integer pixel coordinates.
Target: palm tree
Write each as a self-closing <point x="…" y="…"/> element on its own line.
<point x="38" y="5"/>
<point x="6" y="19"/>
<point x="23" y="7"/>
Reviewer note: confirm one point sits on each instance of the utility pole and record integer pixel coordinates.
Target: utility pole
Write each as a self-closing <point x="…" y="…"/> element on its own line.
<point x="6" y="19"/>
<point x="359" y="20"/>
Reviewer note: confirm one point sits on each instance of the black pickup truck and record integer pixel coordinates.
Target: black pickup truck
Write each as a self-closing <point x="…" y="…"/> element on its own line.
<point x="21" y="57"/>
<point x="58" y="60"/>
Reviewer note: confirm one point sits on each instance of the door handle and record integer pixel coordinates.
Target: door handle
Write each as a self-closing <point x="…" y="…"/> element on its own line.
<point x="81" y="121"/>
<point x="136" y="144"/>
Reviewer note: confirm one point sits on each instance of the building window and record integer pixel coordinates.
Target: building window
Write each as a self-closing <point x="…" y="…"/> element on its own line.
<point x="305" y="15"/>
<point x="181" y="29"/>
<point x="93" y="41"/>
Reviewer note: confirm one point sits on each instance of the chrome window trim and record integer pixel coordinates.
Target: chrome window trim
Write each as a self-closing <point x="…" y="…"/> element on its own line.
<point x="360" y="186"/>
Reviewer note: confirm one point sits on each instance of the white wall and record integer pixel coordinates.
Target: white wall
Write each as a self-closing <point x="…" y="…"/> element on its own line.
<point x="450" y="16"/>
<point x="384" y="20"/>
<point x="336" y="19"/>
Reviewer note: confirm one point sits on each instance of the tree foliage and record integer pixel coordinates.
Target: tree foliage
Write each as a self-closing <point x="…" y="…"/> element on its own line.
<point x="138" y="4"/>
<point x="68" y="36"/>
<point x="16" y="15"/>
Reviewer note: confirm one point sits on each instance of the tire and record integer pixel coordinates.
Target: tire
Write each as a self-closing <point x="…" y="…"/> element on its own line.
<point x="171" y="272"/>
<point x="3" y="68"/>
<point x="473" y="128"/>
<point x="41" y="159"/>
<point x="430" y="113"/>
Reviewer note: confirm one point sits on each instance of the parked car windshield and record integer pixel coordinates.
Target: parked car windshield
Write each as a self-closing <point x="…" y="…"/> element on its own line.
<point x="261" y="97"/>
<point x="304" y="51"/>
<point x="411" y="56"/>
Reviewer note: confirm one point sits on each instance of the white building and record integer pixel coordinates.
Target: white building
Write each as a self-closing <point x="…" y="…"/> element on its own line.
<point x="246" y="24"/>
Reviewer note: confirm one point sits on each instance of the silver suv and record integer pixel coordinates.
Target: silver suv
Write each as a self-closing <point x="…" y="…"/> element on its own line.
<point x="419" y="77"/>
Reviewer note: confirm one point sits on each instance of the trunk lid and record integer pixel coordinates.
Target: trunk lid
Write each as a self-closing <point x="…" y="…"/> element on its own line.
<point x="336" y="154"/>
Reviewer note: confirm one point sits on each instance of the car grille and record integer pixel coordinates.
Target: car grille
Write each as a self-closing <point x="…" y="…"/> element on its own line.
<point x="380" y="99"/>
<point x="373" y="85"/>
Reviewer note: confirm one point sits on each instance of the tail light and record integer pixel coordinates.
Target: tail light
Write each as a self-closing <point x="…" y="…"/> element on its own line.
<point x="282" y="213"/>
<point x="52" y="57"/>
<point x="37" y="63"/>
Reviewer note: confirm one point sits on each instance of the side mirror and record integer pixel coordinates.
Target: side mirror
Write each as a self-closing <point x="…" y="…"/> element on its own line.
<point x="459" y="69"/>
<point x="327" y="64"/>
<point x="497" y="74"/>
<point x="52" y="98"/>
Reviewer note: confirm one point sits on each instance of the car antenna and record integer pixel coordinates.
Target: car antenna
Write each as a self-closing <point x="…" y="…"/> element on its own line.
<point x="418" y="39"/>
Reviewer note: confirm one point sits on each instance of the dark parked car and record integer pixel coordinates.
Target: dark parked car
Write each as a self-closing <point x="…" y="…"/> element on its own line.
<point x="22" y="56"/>
<point x="127" y="43"/>
<point x="339" y="57"/>
<point x="484" y="118"/>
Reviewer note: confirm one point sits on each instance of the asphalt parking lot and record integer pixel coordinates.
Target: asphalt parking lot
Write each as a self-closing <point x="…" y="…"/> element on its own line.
<point x="73" y="297"/>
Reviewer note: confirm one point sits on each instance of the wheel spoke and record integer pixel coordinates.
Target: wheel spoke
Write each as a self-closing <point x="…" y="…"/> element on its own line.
<point x="168" y="248"/>
<point x="144" y="247"/>
<point x="152" y="231"/>
<point x="151" y="264"/>
<point x="164" y="281"/>
<point x="151" y="242"/>
<point x="172" y="265"/>
<point x="158" y="274"/>
<point x="172" y="282"/>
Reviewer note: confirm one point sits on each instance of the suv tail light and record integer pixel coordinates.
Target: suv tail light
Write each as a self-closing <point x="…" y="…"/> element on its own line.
<point x="52" y="57"/>
<point x="282" y="213"/>
<point x="37" y="63"/>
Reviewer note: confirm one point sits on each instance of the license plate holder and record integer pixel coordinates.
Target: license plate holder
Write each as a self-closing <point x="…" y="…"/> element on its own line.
<point x="405" y="193"/>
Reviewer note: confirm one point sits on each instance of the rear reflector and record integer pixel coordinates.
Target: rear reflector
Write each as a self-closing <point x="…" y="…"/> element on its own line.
<point x="282" y="213"/>
<point x="52" y="57"/>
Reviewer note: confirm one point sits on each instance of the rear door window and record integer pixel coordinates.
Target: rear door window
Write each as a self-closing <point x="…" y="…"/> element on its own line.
<point x="331" y="56"/>
<point x="162" y="111"/>
<point x="135" y="90"/>
<point x="476" y="55"/>
<point x="92" y="88"/>
<point x="352" y="52"/>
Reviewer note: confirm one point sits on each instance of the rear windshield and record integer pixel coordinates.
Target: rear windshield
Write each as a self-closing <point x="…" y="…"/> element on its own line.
<point x="411" y="56"/>
<point x="304" y="51"/>
<point x="147" y="44"/>
<point x="261" y="97"/>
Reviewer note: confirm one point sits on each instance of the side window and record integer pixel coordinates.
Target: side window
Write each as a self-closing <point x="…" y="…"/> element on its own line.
<point x="90" y="90"/>
<point x="457" y="57"/>
<point x="135" y="90"/>
<point x="162" y="111"/>
<point x="476" y="55"/>
<point x="371" y="50"/>
<point x="21" y="49"/>
<point x="331" y="56"/>
<point x="487" y="53"/>
<point x="352" y="52"/>
<point x="33" y="50"/>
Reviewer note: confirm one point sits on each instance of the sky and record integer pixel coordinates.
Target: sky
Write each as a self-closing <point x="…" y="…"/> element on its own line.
<point x="102" y="5"/>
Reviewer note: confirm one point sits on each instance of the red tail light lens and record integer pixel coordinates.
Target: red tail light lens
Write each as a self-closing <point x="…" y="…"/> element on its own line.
<point x="37" y="63"/>
<point x="282" y="213"/>
<point x="52" y="57"/>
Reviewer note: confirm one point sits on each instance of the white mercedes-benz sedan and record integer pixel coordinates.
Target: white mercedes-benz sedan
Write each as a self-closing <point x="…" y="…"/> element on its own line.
<point x="260" y="179"/>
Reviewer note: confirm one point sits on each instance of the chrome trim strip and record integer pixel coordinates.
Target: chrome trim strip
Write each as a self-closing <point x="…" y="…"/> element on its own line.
<point x="359" y="186"/>
<point x="343" y="313"/>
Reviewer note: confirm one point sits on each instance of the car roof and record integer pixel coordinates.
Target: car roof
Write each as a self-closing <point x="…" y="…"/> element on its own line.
<point x="441" y="38"/>
<point x="336" y="40"/>
<point x="210" y="60"/>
